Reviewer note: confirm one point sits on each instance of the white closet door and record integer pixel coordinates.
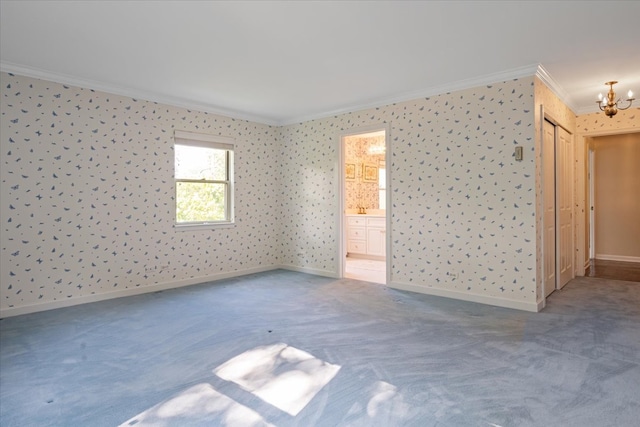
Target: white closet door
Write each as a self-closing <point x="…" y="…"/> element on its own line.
<point x="564" y="205"/>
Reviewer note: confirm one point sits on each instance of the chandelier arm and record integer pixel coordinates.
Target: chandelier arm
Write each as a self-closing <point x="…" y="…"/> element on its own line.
<point x="630" y="102"/>
<point x="610" y="106"/>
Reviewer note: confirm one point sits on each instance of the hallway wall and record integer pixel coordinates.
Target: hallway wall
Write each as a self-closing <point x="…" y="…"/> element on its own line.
<point x="617" y="197"/>
<point x="590" y="126"/>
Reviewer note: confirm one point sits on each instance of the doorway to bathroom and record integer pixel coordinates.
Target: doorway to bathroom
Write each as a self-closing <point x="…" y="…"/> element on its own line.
<point x="364" y="199"/>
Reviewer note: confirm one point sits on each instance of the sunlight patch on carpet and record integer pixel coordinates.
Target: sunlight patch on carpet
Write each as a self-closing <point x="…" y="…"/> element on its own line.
<point x="281" y="375"/>
<point x="198" y="404"/>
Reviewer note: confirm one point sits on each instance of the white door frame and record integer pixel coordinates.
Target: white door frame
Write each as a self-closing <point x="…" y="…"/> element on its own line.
<point x="592" y="201"/>
<point x="547" y="149"/>
<point x="341" y="225"/>
<point x="549" y="118"/>
<point x="587" y="139"/>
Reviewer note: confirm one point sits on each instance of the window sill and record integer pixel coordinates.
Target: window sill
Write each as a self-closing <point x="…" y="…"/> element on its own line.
<point x="203" y="226"/>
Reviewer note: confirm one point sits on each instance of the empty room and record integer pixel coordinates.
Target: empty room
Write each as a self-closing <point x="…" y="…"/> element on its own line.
<point x="319" y="213"/>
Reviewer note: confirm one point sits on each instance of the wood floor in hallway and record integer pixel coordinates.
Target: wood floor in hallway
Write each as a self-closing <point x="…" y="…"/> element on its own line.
<point x="614" y="270"/>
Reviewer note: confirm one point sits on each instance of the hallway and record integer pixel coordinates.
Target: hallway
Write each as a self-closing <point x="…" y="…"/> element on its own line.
<point x="614" y="270"/>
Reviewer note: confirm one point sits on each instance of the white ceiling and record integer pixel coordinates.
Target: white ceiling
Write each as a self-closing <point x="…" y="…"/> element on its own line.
<point x="281" y="62"/>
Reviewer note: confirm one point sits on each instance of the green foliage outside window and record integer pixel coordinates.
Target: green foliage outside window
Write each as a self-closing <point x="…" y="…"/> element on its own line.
<point x="202" y="183"/>
<point x="197" y="202"/>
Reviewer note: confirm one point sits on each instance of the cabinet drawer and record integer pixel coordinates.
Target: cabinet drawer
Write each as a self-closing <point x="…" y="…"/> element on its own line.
<point x="356" y="221"/>
<point x="376" y="222"/>
<point x="357" y="246"/>
<point x="356" y="233"/>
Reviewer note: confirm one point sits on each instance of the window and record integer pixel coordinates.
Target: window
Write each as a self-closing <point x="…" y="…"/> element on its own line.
<point x="203" y="175"/>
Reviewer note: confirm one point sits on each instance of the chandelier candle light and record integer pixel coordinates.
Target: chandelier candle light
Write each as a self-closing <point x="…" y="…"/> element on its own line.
<point x="608" y="105"/>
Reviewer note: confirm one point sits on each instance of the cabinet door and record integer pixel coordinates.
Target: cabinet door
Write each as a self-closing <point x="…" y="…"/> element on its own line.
<point x="357" y="246"/>
<point x="356" y="221"/>
<point x="356" y="233"/>
<point x="376" y="241"/>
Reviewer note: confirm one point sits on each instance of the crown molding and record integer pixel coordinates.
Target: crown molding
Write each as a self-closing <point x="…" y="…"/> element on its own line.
<point x="552" y="84"/>
<point x="511" y="74"/>
<point x="588" y="110"/>
<point x="65" y="79"/>
<point x="514" y="73"/>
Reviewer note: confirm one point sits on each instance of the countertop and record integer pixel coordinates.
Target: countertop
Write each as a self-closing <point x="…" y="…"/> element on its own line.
<point x="377" y="213"/>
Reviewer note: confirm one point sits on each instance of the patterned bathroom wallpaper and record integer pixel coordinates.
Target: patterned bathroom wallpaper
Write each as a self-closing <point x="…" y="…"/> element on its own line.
<point x="87" y="195"/>
<point x="359" y="192"/>
<point x="460" y="202"/>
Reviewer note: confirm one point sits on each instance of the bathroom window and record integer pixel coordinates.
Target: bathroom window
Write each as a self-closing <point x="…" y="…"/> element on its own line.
<point x="203" y="179"/>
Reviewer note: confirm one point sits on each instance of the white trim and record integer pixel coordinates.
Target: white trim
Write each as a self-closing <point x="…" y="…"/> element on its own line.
<point x="307" y="270"/>
<point x="208" y="140"/>
<point x="586" y="136"/>
<point x="511" y="74"/>
<point x="34" y="308"/>
<point x="588" y="110"/>
<point x="492" y="78"/>
<point x="482" y="299"/>
<point x="375" y="128"/>
<point x="203" y="226"/>
<point x="609" y="132"/>
<point x="553" y="85"/>
<point x="580" y="179"/>
<point x="592" y="200"/>
<point x="623" y="258"/>
<point x="543" y="273"/>
<point x="129" y="92"/>
<point x="464" y="296"/>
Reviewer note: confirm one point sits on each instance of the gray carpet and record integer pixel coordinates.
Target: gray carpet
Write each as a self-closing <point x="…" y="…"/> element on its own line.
<point x="288" y="349"/>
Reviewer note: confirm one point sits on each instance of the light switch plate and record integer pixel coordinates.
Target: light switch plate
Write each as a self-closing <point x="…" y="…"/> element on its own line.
<point x="519" y="152"/>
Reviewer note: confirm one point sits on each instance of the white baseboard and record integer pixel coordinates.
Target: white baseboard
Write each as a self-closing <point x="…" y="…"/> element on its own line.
<point x="33" y="308"/>
<point x="314" y="271"/>
<point x="482" y="299"/>
<point x="623" y="258"/>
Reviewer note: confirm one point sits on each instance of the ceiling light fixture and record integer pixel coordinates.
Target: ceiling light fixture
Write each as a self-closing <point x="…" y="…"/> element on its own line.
<point x="608" y="105"/>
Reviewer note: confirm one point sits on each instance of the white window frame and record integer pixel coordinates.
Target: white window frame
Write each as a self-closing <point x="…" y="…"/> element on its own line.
<point x="208" y="141"/>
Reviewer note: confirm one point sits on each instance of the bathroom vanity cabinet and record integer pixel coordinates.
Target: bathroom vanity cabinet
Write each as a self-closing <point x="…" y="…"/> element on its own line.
<point x="366" y="236"/>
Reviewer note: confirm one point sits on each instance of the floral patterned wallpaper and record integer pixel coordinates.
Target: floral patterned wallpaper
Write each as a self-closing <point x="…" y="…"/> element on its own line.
<point x="361" y="152"/>
<point x="88" y="203"/>
<point x="460" y="203"/>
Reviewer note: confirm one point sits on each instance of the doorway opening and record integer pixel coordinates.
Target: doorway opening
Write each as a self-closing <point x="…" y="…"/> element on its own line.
<point x="614" y="206"/>
<point x="364" y="198"/>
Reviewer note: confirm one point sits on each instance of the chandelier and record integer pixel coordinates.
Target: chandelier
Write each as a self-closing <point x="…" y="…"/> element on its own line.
<point x="608" y="105"/>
